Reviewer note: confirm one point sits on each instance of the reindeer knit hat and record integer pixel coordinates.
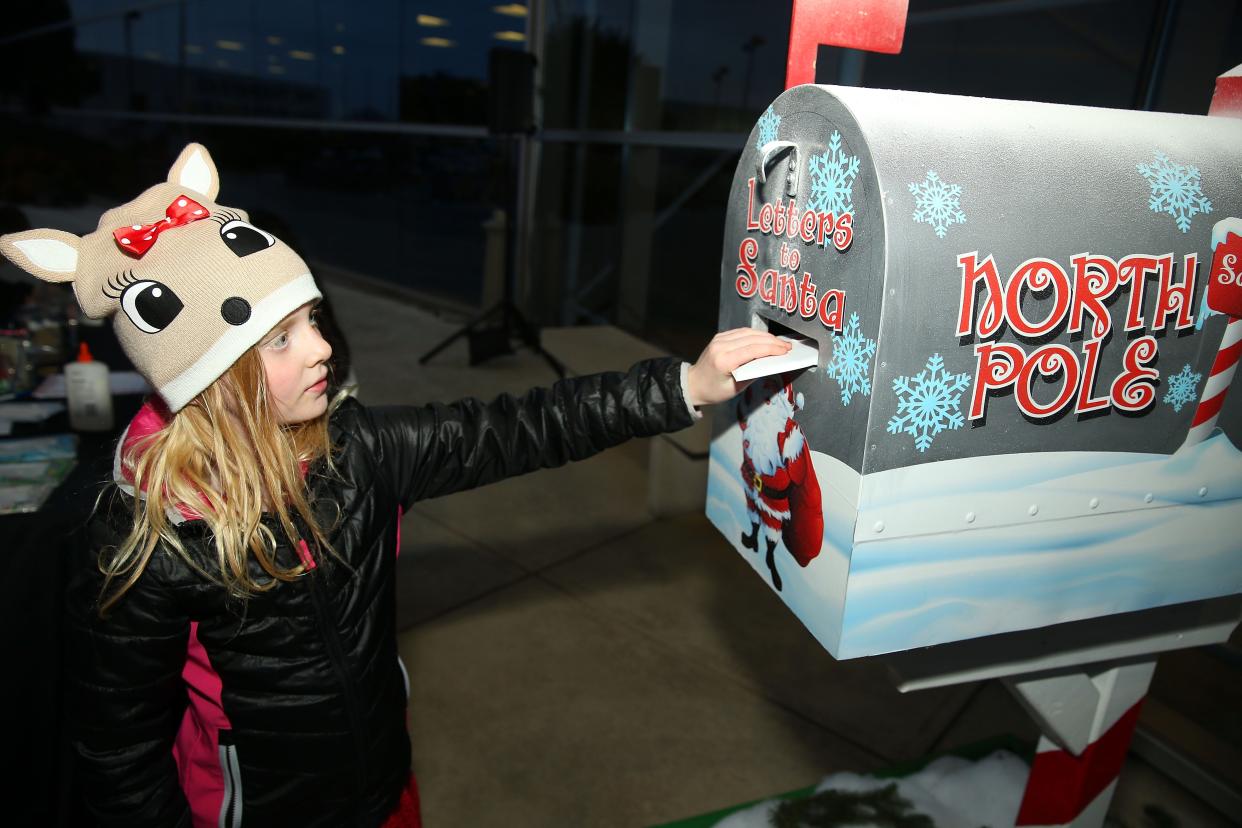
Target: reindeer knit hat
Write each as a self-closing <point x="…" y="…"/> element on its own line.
<point x="195" y="283"/>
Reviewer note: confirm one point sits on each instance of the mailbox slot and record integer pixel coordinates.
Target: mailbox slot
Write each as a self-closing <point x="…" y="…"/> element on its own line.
<point x="762" y="323"/>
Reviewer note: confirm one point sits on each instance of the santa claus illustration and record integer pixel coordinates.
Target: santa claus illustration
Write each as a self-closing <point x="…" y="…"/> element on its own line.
<point x="782" y="492"/>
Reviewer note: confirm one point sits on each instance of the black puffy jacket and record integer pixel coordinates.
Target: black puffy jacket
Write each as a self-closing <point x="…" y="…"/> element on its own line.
<point x="308" y="675"/>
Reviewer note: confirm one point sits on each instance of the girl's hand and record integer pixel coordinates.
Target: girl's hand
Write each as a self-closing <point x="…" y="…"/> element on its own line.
<point x="709" y="379"/>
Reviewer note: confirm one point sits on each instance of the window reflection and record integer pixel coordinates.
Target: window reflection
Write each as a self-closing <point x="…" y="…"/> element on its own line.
<point x="377" y="109"/>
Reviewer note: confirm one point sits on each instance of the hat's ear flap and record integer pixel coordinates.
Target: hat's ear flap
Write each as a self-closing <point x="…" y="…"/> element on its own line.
<point x="51" y="255"/>
<point x="195" y="171"/>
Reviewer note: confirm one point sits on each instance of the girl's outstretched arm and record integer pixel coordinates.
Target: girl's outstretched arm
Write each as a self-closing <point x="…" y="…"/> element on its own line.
<point x="126" y="695"/>
<point x="437" y="449"/>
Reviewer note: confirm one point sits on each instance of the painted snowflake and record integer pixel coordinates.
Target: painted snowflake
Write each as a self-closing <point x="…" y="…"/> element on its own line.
<point x="1182" y="388"/>
<point x="937" y="203"/>
<point x="850" y="365"/>
<point x="769" y="125"/>
<point x="832" y="179"/>
<point x="1175" y="190"/>
<point x="928" y="403"/>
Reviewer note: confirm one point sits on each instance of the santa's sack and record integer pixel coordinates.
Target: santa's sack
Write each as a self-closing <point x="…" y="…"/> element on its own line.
<point x="803" y="531"/>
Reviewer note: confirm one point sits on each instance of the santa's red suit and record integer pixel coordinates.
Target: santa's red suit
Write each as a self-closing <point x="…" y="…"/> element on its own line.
<point x="782" y="491"/>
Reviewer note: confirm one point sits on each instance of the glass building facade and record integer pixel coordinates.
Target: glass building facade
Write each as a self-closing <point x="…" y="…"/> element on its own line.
<point x="359" y="131"/>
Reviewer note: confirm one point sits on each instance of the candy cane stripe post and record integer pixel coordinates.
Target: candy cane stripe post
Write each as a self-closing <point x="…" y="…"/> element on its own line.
<point x="1092" y="717"/>
<point x="1224" y="296"/>
<point x="1217" y="387"/>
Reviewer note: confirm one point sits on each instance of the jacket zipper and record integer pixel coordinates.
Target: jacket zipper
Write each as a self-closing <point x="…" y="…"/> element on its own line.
<point x="231" y="806"/>
<point x="336" y="652"/>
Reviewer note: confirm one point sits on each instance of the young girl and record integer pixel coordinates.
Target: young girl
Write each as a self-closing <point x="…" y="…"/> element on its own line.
<point x="233" y="654"/>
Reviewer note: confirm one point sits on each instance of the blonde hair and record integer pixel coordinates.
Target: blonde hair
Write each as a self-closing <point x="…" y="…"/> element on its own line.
<point x="226" y="457"/>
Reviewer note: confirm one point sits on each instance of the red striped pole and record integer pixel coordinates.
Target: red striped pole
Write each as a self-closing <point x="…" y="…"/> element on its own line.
<point x="1063" y="786"/>
<point x="1223" y="293"/>
<point x="1074" y="789"/>
<point x="1213" y="397"/>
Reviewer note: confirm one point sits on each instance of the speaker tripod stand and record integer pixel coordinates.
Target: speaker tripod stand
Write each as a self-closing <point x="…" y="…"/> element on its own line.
<point x="492" y="332"/>
<point x="494" y="339"/>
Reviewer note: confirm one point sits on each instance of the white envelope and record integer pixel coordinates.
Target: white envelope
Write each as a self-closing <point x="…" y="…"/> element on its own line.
<point x="803" y="354"/>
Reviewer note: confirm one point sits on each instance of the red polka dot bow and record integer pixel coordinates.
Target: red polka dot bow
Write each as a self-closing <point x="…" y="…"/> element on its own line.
<point x="137" y="239"/>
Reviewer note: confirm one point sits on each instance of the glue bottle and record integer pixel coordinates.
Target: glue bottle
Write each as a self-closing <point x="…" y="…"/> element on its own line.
<point x="88" y="394"/>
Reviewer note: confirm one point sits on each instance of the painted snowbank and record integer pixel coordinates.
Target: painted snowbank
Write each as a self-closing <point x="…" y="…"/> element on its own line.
<point x="963" y="548"/>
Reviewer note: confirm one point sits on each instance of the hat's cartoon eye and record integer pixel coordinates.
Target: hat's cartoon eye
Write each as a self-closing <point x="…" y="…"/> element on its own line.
<point x="244" y="238"/>
<point x="151" y="306"/>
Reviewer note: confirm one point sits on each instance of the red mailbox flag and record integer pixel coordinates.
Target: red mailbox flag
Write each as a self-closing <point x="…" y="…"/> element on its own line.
<point x="1227" y="99"/>
<point x="871" y="25"/>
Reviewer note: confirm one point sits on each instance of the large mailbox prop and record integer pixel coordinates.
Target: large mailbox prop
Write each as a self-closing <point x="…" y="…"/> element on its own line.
<point x="1018" y="413"/>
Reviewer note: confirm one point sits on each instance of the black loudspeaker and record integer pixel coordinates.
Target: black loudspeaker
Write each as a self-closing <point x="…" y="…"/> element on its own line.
<point x="511" y="92"/>
<point x="510" y="114"/>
